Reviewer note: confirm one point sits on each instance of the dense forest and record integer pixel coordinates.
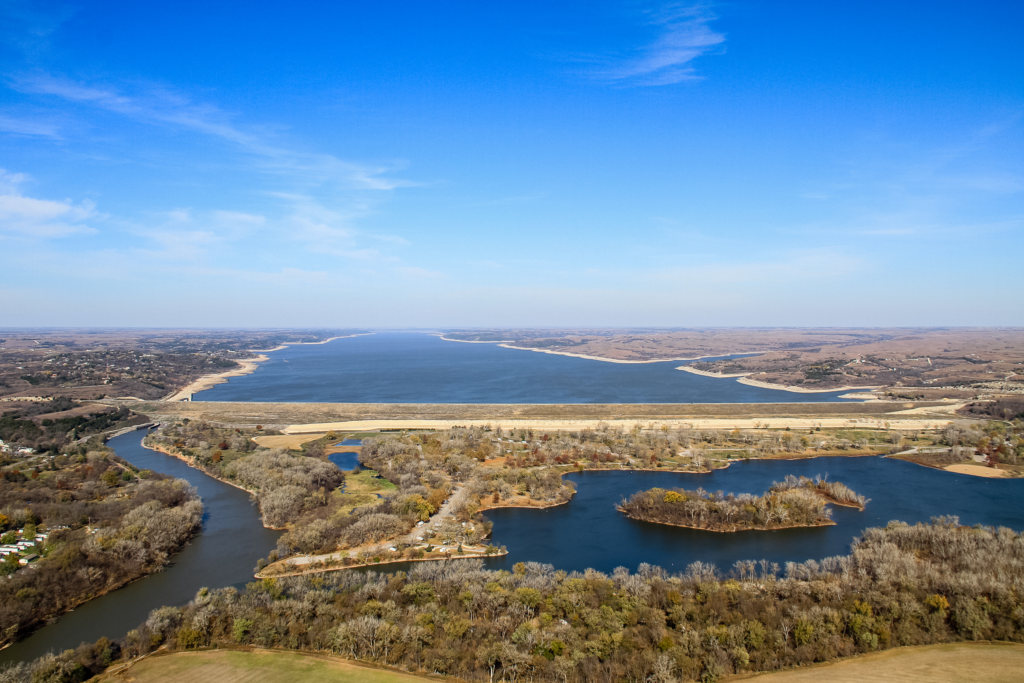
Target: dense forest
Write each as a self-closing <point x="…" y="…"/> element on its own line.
<point x="900" y="585"/>
<point x="793" y="502"/>
<point x="47" y="426"/>
<point x="291" y="488"/>
<point x="107" y="523"/>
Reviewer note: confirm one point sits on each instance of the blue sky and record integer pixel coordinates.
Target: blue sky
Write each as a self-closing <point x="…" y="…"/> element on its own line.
<point x="479" y="164"/>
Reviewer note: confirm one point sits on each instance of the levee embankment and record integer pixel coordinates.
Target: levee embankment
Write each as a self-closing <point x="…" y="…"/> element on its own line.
<point x="295" y="418"/>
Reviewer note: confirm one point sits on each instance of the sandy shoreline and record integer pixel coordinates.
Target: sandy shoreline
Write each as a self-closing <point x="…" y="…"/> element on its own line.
<point x="507" y="344"/>
<point x="800" y="390"/>
<point x="249" y="366"/>
<point x="606" y="360"/>
<point x="978" y="471"/>
<point x="208" y="381"/>
<point x="744" y="378"/>
<point x="705" y="373"/>
<point x="285" y="346"/>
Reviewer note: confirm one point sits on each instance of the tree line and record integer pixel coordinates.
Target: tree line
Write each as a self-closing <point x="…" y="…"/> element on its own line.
<point x="108" y="523"/>
<point x="900" y="585"/>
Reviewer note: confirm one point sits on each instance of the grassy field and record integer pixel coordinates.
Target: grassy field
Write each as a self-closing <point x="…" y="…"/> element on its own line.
<point x="292" y="442"/>
<point x="367" y="481"/>
<point x="956" y="663"/>
<point x="252" y="667"/>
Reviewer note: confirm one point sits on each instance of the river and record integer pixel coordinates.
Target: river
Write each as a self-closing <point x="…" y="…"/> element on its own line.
<point x="586" y="532"/>
<point x="223" y="554"/>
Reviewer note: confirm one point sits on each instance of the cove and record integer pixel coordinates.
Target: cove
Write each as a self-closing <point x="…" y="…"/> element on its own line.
<point x="588" y="532"/>
<point x="422" y="368"/>
<point x="223" y="553"/>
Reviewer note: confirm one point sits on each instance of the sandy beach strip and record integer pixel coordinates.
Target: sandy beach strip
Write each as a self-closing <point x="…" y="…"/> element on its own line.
<point x="474" y="341"/>
<point x="248" y="367"/>
<point x="744" y="378"/>
<point x="606" y="360"/>
<point x="285" y="346"/>
<point x="798" y="390"/>
<point x="705" y="373"/>
<point x="208" y="381"/>
<point x="507" y="344"/>
<point x="577" y="425"/>
<point x="978" y="471"/>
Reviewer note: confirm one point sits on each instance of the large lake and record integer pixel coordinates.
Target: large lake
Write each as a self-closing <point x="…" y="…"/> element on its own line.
<point x="423" y="368"/>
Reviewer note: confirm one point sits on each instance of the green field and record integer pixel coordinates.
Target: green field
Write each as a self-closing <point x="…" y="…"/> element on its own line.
<point x="225" y="666"/>
<point x="956" y="663"/>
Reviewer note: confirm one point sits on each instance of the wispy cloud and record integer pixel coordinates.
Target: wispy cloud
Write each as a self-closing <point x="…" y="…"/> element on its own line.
<point x="22" y="126"/>
<point x="39" y="218"/>
<point x="684" y="35"/>
<point x="163" y="106"/>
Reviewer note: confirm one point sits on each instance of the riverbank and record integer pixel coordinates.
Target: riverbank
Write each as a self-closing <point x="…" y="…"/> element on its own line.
<point x="191" y="462"/>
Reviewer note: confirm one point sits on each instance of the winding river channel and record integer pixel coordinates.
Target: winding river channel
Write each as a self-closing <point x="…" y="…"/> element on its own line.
<point x="224" y="553"/>
<point x="586" y="532"/>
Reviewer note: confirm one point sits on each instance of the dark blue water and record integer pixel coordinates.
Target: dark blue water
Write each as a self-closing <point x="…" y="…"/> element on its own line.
<point x="590" y="532"/>
<point x="422" y="368"/>
<point x="223" y="554"/>
<point x="346" y="461"/>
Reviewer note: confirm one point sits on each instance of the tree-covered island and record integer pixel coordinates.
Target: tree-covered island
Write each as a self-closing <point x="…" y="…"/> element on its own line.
<point x="793" y="502"/>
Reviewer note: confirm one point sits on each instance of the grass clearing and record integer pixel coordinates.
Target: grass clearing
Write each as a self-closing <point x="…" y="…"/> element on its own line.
<point x="226" y="666"/>
<point x="290" y="441"/>
<point x="366" y="481"/>
<point x="350" y="501"/>
<point x="953" y="663"/>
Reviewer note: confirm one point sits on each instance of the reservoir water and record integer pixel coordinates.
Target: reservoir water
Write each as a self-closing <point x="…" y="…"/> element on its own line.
<point x="223" y="554"/>
<point x="586" y="532"/>
<point x="423" y="368"/>
<point x="590" y="532"/>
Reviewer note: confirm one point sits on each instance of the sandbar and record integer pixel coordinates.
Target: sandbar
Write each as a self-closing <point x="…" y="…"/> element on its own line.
<point x="978" y="471"/>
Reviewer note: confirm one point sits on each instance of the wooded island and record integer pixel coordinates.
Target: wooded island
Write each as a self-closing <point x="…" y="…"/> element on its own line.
<point x="793" y="502"/>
